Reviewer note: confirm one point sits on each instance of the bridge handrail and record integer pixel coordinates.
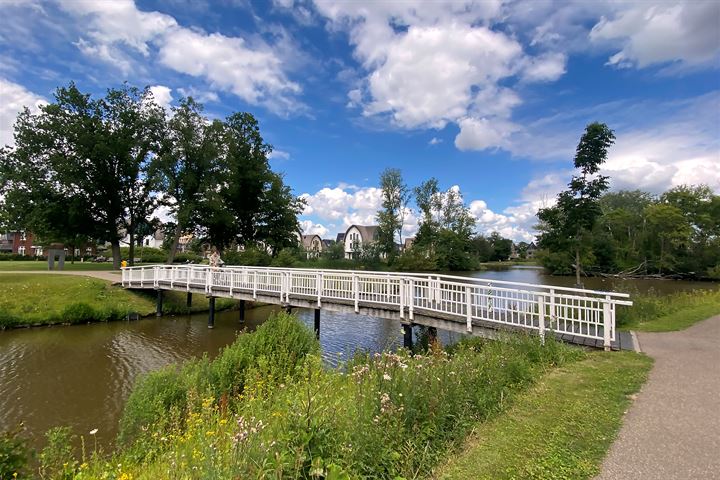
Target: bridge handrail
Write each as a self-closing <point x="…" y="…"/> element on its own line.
<point x="448" y="278"/>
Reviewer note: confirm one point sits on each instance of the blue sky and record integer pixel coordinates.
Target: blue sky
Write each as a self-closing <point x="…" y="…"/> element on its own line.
<point x="490" y="96"/>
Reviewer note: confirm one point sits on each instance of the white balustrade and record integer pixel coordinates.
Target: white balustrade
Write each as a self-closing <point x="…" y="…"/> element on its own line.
<point x="542" y="308"/>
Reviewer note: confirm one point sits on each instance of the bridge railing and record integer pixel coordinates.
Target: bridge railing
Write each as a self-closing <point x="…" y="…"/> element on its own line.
<point x="542" y="308"/>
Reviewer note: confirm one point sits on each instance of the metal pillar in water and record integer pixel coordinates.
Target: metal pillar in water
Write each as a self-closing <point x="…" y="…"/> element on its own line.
<point x="242" y="310"/>
<point x="188" y="301"/>
<point x="407" y="336"/>
<point x="211" y="312"/>
<point x="317" y="323"/>
<point x="159" y="305"/>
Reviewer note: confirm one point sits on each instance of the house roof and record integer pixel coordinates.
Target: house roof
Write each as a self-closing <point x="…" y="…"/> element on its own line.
<point x="340" y="237"/>
<point x="367" y="232"/>
<point x="308" y="239"/>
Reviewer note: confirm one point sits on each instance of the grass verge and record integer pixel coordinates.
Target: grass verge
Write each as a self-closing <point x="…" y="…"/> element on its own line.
<point x="41" y="299"/>
<point x="41" y="265"/>
<point x="268" y="408"/>
<point x="561" y="428"/>
<point x="667" y="313"/>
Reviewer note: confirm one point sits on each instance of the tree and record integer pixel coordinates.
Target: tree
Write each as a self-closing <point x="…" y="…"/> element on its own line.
<point x="565" y="225"/>
<point x="391" y="218"/>
<point x="670" y="230"/>
<point x="277" y="220"/>
<point x="87" y="156"/>
<point x="190" y="150"/>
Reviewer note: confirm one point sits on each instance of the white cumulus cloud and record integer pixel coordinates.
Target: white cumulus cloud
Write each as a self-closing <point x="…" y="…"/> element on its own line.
<point x="13" y="98"/>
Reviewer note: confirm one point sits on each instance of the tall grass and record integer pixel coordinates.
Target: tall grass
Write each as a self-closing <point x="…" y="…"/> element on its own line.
<point x="655" y="312"/>
<point x="268" y="408"/>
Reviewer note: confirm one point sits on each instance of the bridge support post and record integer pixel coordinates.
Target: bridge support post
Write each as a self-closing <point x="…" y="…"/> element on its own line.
<point x="407" y="336"/>
<point x="317" y="323"/>
<point x="159" y="304"/>
<point x="211" y="312"/>
<point x="242" y="310"/>
<point x="188" y="301"/>
<point x="288" y="309"/>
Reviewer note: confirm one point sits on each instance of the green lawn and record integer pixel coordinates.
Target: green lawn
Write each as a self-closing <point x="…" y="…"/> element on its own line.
<point x="40" y="299"/>
<point x="32" y="265"/>
<point x="667" y="313"/>
<point x="561" y="428"/>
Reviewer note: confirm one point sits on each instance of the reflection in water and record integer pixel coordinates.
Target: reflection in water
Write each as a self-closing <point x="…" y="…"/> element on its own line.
<point x="81" y="375"/>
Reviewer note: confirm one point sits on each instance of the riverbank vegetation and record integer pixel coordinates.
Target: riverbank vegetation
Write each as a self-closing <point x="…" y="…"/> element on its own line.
<point x="636" y="233"/>
<point x="267" y="407"/>
<point x="43" y="299"/>
<point x="653" y="312"/>
<point x="560" y="428"/>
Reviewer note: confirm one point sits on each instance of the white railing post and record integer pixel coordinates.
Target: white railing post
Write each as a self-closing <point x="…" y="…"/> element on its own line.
<point x="255" y="284"/>
<point x="156" y="274"/>
<point x="319" y="282"/>
<point x="468" y="308"/>
<point x="607" y="324"/>
<point x="411" y="297"/>
<point x="356" y="292"/>
<point x="402" y="298"/>
<point x="553" y="313"/>
<point x="288" y="287"/>
<point x="208" y="280"/>
<point x="541" y="317"/>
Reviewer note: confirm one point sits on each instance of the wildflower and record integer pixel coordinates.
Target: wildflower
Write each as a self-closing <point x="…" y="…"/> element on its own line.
<point x="93" y="431"/>
<point x="387" y="377"/>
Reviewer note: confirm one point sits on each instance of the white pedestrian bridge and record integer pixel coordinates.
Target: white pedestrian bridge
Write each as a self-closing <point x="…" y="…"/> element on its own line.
<point x="461" y="304"/>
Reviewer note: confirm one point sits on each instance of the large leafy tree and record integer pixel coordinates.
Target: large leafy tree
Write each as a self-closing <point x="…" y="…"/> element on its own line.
<point x="391" y="217"/>
<point x="86" y="156"/>
<point x="565" y="226"/>
<point x="188" y="157"/>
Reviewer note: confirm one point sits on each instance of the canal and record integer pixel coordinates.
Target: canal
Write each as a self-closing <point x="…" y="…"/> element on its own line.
<point x="80" y="376"/>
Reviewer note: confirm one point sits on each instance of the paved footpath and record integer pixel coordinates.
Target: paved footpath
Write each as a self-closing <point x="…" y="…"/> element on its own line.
<point x="672" y="430"/>
<point x="110" y="276"/>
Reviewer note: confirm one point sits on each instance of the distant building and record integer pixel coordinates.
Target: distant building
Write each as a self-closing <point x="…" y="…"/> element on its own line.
<point x="408" y="243"/>
<point x="313" y="245"/>
<point x="357" y="237"/>
<point x="340" y="238"/>
<point x="531" y="250"/>
<point x="20" y="242"/>
<point x="155" y="240"/>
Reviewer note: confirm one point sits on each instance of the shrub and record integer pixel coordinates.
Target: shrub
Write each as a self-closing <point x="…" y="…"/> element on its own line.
<point x="250" y="256"/>
<point x="187" y="257"/>
<point x="145" y="254"/>
<point x="56" y="459"/>
<point x="13" y="454"/>
<point x="273" y="352"/>
<point x="286" y="258"/>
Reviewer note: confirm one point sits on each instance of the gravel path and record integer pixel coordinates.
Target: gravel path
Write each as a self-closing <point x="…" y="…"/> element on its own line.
<point x="110" y="276"/>
<point x="672" y="430"/>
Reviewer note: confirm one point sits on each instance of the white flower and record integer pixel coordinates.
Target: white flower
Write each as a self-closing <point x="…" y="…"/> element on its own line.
<point x="387" y="377"/>
<point x="93" y="431"/>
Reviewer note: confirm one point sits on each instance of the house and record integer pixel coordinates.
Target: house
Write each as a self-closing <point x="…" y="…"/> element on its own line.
<point x="531" y="250"/>
<point x="340" y="238"/>
<point x="408" y="243"/>
<point x="155" y="240"/>
<point x="20" y="242"/>
<point x="313" y="245"/>
<point x="357" y="237"/>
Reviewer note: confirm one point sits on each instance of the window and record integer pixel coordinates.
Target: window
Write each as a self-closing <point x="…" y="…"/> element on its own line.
<point x="38" y="251"/>
<point x="21" y="250"/>
<point x="23" y="236"/>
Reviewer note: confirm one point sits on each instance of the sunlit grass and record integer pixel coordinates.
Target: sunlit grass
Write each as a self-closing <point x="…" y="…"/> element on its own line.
<point x="664" y="313"/>
<point x="40" y="299"/>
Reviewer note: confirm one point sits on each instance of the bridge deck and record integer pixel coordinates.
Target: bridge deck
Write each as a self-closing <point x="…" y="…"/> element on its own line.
<point x="466" y="305"/>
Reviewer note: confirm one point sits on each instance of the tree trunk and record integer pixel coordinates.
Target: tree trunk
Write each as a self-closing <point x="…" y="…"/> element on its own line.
<point x="577" y="266"/>
<point x="115" y="245"/>
<point x="174" y="245"/>
<point x="131" y="250"/>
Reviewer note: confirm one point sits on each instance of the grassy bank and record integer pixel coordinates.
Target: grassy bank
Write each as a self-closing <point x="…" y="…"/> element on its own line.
<point x="665" y="313"/>
<point x="35" y="266"/>
<point x="561" y="428"/>
<point x="509" y="263"/>
<point x="268" y="408"/>
<point x="40" y="299"/>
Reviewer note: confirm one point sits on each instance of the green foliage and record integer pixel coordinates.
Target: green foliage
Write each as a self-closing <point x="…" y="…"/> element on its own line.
<point x="655" y="312"/>
<point x="415" y="260"/>
<point x="566" y="225"/>
<point x="56" y="459"/>
<point x="14" y="454"/>
<point x="395" y="197"/>
<point x="273" y="353"/>
<point x="286" y="258"/>
<point x="282" y="414"/>
<point x="250" y="256"/>
<point x="145" y="254"/>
